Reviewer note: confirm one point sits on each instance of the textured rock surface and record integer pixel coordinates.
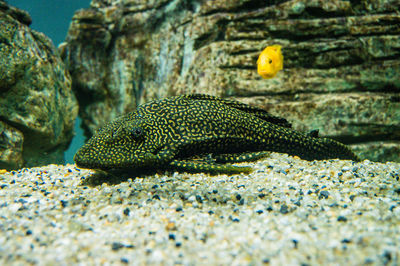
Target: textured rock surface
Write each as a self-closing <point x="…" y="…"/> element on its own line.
<point x="340" y="70"/>
<point x="287" y="212"/>
<point x="37" y="106"/>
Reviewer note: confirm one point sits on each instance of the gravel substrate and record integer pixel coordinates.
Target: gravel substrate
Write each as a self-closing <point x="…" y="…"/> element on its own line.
<point x="288" y="211"/>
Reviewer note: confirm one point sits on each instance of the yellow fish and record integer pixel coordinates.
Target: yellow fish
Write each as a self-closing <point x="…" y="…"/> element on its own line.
<point x="270" y="61"/>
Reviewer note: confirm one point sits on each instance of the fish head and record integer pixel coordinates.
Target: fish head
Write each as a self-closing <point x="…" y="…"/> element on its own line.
<point x="117" y="145"/>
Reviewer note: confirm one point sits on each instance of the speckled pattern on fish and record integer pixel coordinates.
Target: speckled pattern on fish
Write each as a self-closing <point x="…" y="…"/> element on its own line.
<point x="171" y="132"/>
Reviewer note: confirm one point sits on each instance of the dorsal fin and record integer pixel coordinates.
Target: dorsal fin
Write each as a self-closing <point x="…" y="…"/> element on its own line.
<point x="260" y="113"/>
<point x="313" y="133"/>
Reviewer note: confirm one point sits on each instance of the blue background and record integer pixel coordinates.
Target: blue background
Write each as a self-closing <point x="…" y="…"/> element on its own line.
<point x="52" y="17"/>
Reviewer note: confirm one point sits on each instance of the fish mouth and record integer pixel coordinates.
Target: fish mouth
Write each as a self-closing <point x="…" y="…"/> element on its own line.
<point x="91" y="164"/>
<point x="104" y="164"/>
<point x="83" y="161"/>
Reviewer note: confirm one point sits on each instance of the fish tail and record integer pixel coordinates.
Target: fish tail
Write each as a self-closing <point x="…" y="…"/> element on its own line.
<point x="306" y="146"/>
<point x="335" y="149"/>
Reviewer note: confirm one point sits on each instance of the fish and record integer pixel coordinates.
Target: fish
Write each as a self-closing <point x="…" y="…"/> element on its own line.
<point x="270" y="61"/>
<point x="199" y="133"/>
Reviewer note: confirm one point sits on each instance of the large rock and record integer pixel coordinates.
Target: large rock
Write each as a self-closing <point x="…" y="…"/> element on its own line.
<point x="37" y="106"/>
<point x="341" y="61"/>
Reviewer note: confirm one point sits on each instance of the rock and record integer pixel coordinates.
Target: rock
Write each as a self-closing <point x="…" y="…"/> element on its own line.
<point x="11" y="148"/>
<point x="379" y="150"/>
<point x="341" y="61"/>
<point x="37" y="106"/>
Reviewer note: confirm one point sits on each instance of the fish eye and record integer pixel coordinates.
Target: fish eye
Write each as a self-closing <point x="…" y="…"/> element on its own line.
<point x="270" y="61"/>
<point x="137" y="132"/>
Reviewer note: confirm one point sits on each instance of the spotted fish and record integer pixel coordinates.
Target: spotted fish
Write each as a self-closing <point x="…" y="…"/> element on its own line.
<point x="199" y="133"/>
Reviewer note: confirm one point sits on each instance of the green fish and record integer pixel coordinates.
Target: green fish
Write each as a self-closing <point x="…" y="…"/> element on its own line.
<point x="199" y="133"/>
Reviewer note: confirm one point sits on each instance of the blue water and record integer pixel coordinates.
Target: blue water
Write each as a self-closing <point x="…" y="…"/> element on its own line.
<point x="52" y="17"/>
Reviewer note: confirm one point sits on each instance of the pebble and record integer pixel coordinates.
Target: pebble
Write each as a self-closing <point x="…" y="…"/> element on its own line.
<point x="287" y="212"/>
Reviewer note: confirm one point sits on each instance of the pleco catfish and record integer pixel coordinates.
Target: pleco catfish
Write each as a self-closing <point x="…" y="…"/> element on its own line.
<point x="173" y="133"/>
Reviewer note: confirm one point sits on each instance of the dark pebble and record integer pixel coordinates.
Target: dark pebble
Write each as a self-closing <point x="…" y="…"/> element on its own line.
<point x="64" y="203"/>
<point x="22" y="201"/>
<point x="259" y="211"/>
<point x="199" y="199"/>
<point x="368" y="261"/>
<point x="352" y="197"/>
<point x="124" y="260"/>
<point x="295" y="243"/>
<point x="265" y="261"/>
<point x="388" y="256"/>
<point x="156" y="197"/>
<point x="28" y="232"/>
<point x="178" y="244"/>
<point x="127" y="211"/>
<point x="171" y="237"/>
<point x="117" y="246"/>
<point x="342" y="219"/>
<point x="236" y="220"/>
<point x="323" y="194"/>
<point x="238" y="197"/>
<point x="261" y="195"/>
<point x="346" y="241"/>
<point x="284" y="209"/>
<point x="179" y="209"/>
<point x="241" y="202"/>
<point x="210" y="212"/>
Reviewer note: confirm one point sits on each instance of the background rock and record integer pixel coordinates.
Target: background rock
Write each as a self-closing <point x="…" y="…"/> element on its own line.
<point x="37" y="106"/>
<point x="340" y="72"/>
